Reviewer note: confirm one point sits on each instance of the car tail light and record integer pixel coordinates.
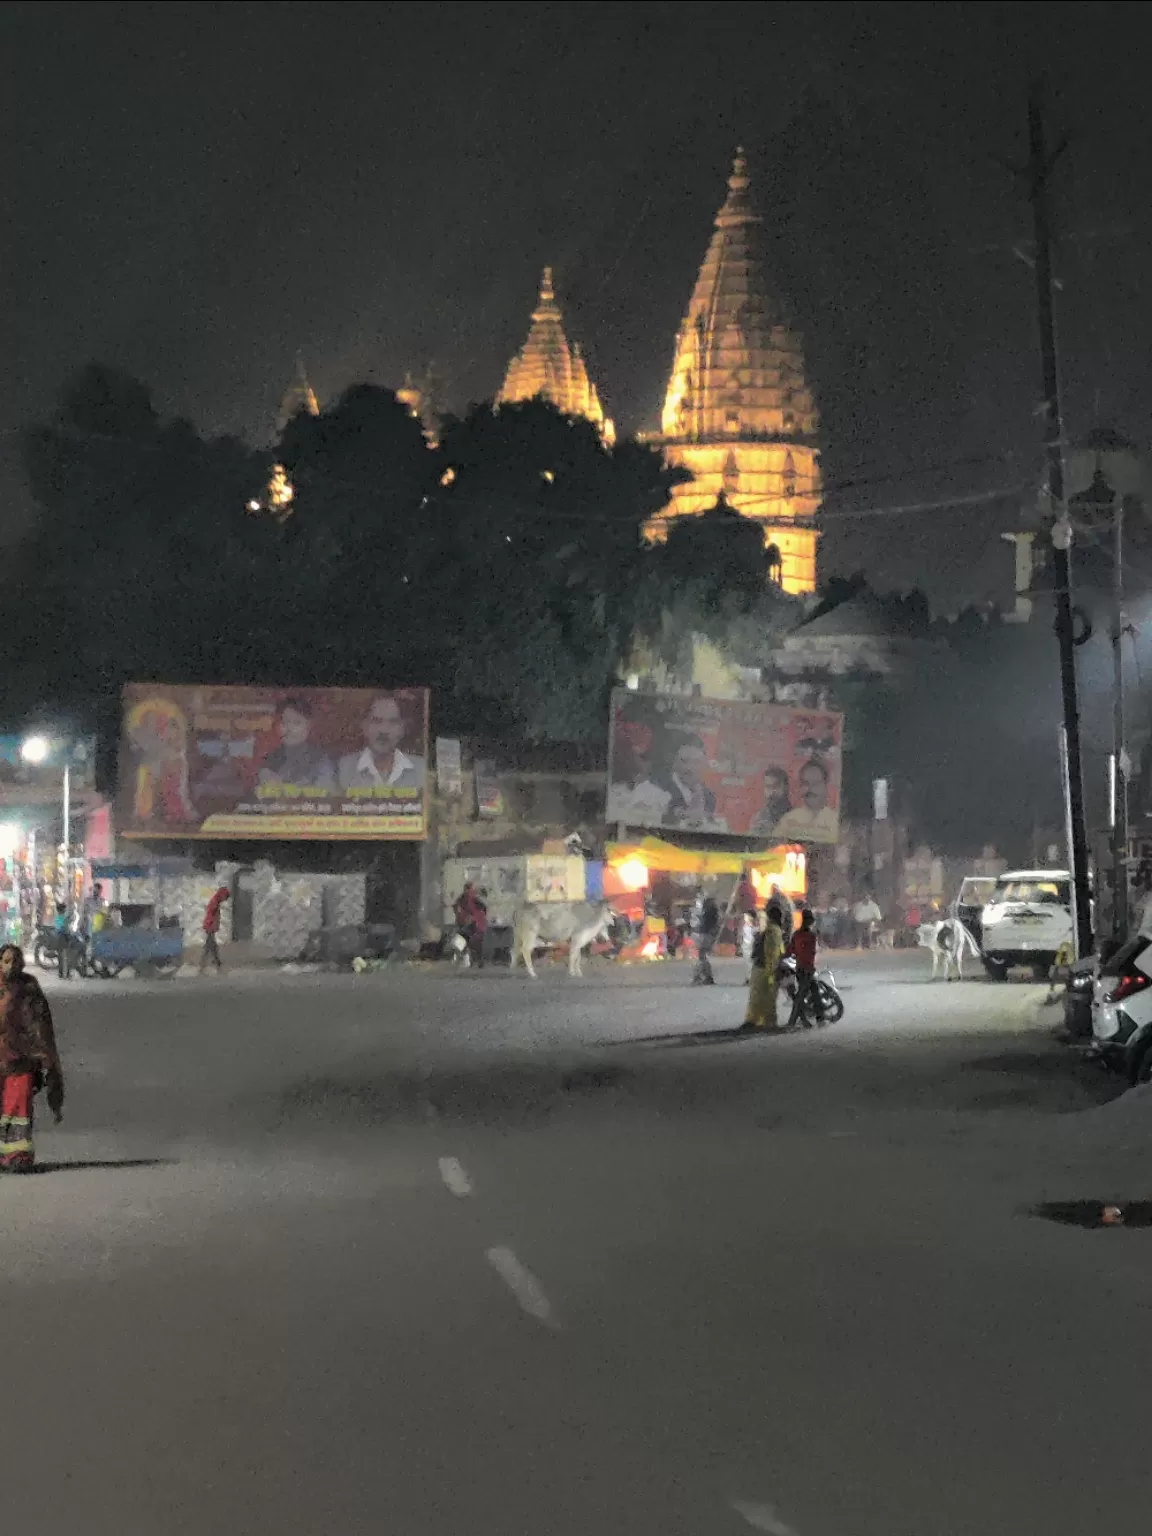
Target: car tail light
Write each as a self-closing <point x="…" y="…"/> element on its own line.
<point x="1128" y="985"/>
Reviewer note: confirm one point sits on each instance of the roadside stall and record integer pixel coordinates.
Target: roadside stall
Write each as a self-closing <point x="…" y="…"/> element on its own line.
<point x="652" y="883"/>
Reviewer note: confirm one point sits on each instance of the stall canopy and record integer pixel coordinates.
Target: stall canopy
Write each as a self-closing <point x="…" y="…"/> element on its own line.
<point x="655" y="853"/>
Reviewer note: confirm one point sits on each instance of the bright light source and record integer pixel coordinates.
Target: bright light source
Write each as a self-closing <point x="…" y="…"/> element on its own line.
<point x="35" y="749"/>
<point x="633" y="874"/>
<point x="253" y="505"/>
<point x="11" y="837"/>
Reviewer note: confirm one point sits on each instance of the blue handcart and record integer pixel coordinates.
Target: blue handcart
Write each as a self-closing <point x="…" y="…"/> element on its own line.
<point x="134" y="934"/>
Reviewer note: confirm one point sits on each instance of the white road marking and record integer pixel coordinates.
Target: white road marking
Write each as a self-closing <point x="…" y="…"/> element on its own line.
<point x="762" y="1517"/>
<point x="457" y="1181"/>
<point x="524" y="1285"/>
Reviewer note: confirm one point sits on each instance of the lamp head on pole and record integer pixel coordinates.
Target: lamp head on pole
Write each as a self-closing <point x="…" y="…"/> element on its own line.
<point x="35" y="749"/>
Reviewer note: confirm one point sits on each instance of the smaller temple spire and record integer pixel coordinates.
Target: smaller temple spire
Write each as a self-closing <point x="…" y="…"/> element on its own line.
<point x="418" y="398"/>
<point x="299" y="396"/>
<point x="549" y="365"/>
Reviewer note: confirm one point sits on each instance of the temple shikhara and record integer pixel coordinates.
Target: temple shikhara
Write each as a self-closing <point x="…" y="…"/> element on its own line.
<point x="547" y="364"/>
<point x="299" y="396"/>
<point x="738" y="412"/>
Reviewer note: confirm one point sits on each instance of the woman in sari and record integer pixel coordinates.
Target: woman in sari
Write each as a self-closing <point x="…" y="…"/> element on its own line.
<point x="28" y="1060"/>
<point x="767" y="953"/>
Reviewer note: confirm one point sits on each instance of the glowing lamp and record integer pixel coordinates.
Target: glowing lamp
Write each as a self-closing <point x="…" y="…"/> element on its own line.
<point x="633" y="874"/>
<point x="35" y="749"/>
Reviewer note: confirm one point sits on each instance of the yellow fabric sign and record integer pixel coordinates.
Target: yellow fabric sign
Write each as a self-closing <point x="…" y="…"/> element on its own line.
<point x="657" y="854"/>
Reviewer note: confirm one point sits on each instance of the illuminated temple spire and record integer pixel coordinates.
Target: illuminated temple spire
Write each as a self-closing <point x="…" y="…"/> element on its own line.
<point x="299" y="396"/>
<point x="738" y="411"/>
<point x="547" y="364"/>
<point x="280" y="493"/>
<point x="419" y="395"/>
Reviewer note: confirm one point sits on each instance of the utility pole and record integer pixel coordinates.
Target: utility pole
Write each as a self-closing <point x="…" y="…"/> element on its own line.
<point x="1039" y="171"/>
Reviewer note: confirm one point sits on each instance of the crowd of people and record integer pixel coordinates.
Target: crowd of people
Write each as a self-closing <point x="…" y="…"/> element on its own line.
<point x="862" y="923"/>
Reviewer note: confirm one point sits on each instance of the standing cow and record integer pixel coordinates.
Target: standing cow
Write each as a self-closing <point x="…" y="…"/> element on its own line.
<point x="946" y="942"/>
<point x="575" y="923"/>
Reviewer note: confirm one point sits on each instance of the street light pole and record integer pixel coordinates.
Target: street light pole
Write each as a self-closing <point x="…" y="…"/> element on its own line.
<point x="67" y="832"/>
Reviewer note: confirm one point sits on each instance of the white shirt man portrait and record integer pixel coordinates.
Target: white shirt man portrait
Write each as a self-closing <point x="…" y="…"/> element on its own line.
<point x="813" y="820"/>
<point x="381" y="764"/>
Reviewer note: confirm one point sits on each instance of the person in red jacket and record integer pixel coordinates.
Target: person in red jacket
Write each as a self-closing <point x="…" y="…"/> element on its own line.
<point x="471" y="911"/>
<point x="802" y="948"/>
<point x="212" y="928"/>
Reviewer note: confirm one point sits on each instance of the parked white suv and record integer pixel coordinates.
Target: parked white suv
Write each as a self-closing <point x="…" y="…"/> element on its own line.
<point x="1122" y="1010"/>
<point x="1026" y="920"/>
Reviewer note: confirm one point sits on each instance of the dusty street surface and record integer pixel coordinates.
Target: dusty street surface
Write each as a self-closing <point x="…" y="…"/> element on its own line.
<point x="428" y="1254"/>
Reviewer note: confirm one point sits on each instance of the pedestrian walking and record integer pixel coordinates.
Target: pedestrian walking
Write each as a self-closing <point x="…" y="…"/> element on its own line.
<point x="802" y="948"/>
<point x="744" y="906"/>
<point x="767" y="953"/>
<point x="62" y="923"/>
<point x="211" y="927"/>
<point x="866" y="915"/>
<point x="29" y="1061"/>
<point x="705" y="930"/>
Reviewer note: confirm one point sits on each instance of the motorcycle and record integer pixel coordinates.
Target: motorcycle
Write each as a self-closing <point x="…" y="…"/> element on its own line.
<point x="831" y="1004"/>
<point x="46" y="949"/>
<point x="46" y="946"/>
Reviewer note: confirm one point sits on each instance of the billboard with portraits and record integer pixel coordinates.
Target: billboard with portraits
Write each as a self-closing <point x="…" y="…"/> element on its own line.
<point x="725" y="765"/>
<point x="254" y="762"/>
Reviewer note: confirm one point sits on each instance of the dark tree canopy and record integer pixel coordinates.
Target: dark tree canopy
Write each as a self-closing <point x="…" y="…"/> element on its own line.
<point x="505" y="567"/>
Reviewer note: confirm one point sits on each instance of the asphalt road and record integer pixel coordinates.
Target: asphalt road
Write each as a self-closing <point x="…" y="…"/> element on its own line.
<point x="427" y="1254"/>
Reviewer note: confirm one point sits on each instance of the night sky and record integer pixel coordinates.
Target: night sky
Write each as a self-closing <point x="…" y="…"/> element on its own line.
<point x="194" y="192"/>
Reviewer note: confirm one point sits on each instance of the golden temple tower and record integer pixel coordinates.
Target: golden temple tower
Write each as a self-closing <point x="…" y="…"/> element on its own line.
<point x="417" y="397"/>
<point x="738" y="412"/>
<point x="299" y="396"/>
<point x="548" y="365"/>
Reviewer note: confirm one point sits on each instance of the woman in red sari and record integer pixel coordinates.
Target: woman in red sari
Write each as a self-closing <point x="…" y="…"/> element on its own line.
<point x="28" y="1060"/>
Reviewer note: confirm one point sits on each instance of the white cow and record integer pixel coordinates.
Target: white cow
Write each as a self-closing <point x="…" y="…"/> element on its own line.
<point x="575" y="923"/>
<point x="947" y="942"/>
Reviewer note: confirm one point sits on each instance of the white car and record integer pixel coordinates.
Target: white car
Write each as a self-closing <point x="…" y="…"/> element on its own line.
<point x="1027" y="920"/>
<point x="1122" y="1010"/>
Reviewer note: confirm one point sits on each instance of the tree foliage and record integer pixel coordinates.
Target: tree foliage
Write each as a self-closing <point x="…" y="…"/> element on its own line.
<point x="712" y="578"/>
<point x="505" y="567"/>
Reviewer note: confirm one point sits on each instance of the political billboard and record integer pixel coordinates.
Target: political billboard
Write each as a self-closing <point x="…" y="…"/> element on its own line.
<point x="724" y="765"/>
<point x="253" y="762"/>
